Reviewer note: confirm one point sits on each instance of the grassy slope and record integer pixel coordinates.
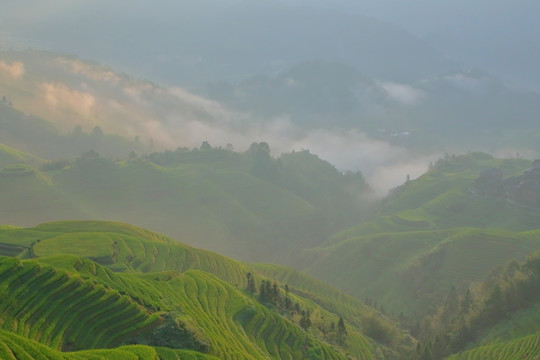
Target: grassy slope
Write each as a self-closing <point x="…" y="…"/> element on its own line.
<point x="65" y="311"/>
<point x="526" y="348"/>
<point x="409" y="271"/>
<point x="219" y="208"/>
<point x="15" y="347"/>
<point x="210" y="199"/>
<point x="10" y="156"/>
<point x="171" y="279"/>
<point x="432" y="234"/>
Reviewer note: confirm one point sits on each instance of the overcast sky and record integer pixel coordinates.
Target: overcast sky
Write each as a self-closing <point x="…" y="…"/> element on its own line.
<point x="500" y="36"/>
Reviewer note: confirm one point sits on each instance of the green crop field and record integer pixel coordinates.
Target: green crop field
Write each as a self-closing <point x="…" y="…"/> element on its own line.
<point x="15" y="347"/>
<point x="86" y="285"/>
<point x="526" y="348"/>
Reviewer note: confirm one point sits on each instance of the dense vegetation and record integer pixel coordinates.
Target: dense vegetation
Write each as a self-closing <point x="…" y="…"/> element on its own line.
<point x="503" y="307"/>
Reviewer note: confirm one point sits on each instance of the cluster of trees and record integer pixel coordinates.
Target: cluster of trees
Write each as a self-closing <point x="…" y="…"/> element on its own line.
<point x="270" y="294"/>
<point x="463" y="316"/>
<point x="173" y="332"/>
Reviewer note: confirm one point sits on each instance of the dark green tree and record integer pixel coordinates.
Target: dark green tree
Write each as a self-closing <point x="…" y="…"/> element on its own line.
<point x="205" y="146"/>
<point x="466" y="302"/>
<point x="251" y="287"/>
<point x="305" y="320"/>
<point x="341" y="331"/>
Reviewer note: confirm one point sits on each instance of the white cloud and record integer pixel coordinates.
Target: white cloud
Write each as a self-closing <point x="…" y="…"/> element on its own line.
<point x="58" y="95"/>
<point x="95" y="73"/>
<point x="14" y="70"/>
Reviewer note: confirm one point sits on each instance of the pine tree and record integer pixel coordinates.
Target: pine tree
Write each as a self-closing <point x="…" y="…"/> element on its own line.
<point x="466" y="302"/>
<point x="341" y="331"/>
<point x="251" y="287"/>
<point x="305" y="320"/>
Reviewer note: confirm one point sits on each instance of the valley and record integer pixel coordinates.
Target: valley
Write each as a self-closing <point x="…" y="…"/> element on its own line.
<point x="266" y="180"/>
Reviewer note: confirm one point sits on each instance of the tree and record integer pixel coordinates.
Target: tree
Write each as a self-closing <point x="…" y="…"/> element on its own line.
<point x="305" y="320"/>
<point x="275" y="293"/>
<point x="251" y="287"/>
<point x="205" y="146"/>
<point x="287" y="301"/>
<point x="97" y="132"/>
<point x="341" y="331"/>
<point x="466" y="302"/>
<point x="451" y="305"/>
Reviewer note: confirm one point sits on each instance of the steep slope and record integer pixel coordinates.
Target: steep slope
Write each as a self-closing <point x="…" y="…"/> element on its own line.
<point x="215" y="312"/>
<point x="65" y="311"/>
<point x="525" y="348"/>
<point x="497" y="317"/>
<point x="10" y="156"/>
<point x="14" y="347"/>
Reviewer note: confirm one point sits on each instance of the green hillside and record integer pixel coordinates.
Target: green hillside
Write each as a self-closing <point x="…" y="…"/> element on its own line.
<point x="525" y="348"/>
<point x="65" y="311"/>
<point x="11" y="156"/>
<point x="249" y="206"/>
<point x="431" y="234"/>
<point x="124" y="285"/>
<point x="410" y="272"/>
<point x="14" y="347"/>
<point x="495" y="318"/>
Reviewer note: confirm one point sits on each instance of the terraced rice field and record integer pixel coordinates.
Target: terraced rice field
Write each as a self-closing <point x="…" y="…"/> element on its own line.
<point x="14" y="347"/>
<point x="114" y="282"/>
<point x="62" y="310"/>
<point x="526" y="348"/>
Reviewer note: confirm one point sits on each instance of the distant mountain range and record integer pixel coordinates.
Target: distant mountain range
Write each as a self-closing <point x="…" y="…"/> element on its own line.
<point x="190" y="44"/>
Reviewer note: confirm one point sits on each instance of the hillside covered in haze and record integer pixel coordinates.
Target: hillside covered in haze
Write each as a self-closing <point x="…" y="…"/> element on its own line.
<point x="271" y="179"/>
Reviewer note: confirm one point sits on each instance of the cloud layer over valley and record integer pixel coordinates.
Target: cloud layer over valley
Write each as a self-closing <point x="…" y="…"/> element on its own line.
<point x="82" y="94"/>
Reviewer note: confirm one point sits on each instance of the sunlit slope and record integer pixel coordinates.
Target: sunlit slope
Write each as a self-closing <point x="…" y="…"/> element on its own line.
<point x="120" y="246"/>
<point x="15" y="347"/>
<point x="11" y="156"/>
<point x="162" y="276"/>
<point x="41" y="303"/>
<point x="432" y="233"/>
<point x="64" y="311"/>
<point x="444" y="197"/>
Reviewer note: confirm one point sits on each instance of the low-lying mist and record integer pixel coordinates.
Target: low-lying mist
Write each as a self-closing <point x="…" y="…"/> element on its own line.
<point x="72" y="93"/>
